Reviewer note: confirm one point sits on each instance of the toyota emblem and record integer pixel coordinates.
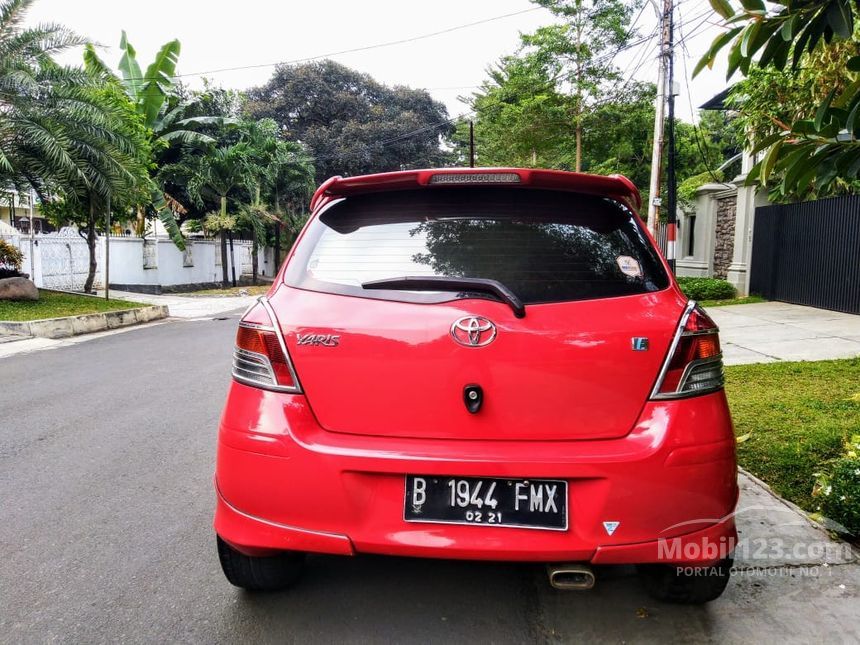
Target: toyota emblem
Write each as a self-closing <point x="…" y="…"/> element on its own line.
<point x="473" y="331"/>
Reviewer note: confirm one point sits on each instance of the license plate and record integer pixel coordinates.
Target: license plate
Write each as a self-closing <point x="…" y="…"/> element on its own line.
<point x="525" y="503"/>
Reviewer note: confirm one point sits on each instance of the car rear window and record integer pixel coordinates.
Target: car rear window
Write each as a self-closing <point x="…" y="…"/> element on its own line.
<point x="545" y="246"/>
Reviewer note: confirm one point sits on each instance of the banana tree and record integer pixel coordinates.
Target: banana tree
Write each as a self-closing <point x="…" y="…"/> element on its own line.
<point x="151" y="95"/>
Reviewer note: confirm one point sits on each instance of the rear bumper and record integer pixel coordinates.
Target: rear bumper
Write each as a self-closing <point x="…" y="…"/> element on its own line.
<point x="257" y="536"/>
<point x="285" y="483"/>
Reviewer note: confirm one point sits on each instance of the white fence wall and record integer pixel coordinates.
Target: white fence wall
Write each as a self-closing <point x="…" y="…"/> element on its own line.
<point x="58" y="261"/>
<point x="61" y="261"/>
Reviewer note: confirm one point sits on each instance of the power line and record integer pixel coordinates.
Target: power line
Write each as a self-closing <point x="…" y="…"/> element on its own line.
<point x="390" y="43"/>
<point x="696" y="132"/>
<point x="699" y="28"/>
<point x="631" y="29"/>
<point x="643" y="59"/>
<point x="472" y="113"/>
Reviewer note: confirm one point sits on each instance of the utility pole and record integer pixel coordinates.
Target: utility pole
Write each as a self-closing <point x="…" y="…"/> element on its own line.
<point x="471" y="144"/>
<point x="660" y="114"/>
<point x="33" y="235"/>
<point x="672" y="196"/>
<point x="278" y="244"/>
<point x="107" y="250"/>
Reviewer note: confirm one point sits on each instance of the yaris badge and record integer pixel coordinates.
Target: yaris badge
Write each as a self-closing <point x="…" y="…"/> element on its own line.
<point x="473" y="331"/>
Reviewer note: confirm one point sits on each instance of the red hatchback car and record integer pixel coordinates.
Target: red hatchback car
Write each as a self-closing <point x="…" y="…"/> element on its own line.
<point x="484" y="364"/>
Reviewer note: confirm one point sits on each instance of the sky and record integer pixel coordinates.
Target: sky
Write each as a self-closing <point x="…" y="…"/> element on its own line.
<point x="217" y="35"/>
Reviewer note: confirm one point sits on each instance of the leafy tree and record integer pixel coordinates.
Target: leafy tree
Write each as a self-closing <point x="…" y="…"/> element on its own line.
<point x="219" y="109"/>
<point x="581" y="49"/>
<point x="152" y="93"/>
<point x="616" y="136"/>
<point x="123" y="164"/>
<point x="281" y="180"/>
<point x="700" y="152"/>
<point x="815" y="151"/>
<point x="350" y="123"/>
<point x="520" y="114"/>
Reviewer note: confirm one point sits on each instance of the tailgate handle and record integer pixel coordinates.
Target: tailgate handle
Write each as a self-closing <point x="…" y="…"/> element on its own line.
<point x="473" y="397"/>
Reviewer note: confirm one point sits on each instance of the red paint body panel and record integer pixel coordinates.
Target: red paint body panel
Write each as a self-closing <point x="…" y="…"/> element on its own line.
<point x="565" y="371"/>
<point x="566" y="398"/>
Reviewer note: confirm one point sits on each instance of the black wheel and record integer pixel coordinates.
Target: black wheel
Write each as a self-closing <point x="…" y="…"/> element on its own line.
<point x="273" y="573"/>
<point x="685" y="585"/>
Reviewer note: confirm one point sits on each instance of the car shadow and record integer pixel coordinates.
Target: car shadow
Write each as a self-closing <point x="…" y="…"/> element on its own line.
<point x="385" y="599"/>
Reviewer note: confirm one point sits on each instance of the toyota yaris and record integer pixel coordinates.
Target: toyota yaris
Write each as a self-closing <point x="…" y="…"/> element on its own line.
<point x="484" y="364"/>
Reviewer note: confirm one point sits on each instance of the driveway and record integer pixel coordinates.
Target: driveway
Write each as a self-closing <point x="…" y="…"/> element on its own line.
<point x="189" y="306"/>
<point x="106" y="500"/>
<point x="776" y="331"/>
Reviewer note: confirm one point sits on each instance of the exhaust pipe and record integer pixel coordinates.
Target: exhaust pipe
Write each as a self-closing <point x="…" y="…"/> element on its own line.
<point x="570" y="577"/>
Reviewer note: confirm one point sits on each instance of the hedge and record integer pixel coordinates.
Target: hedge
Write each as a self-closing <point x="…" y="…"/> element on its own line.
<point x="707" y="288"/>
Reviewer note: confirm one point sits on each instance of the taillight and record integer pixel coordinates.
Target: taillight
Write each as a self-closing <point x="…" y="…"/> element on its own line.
<point x="260" y="357"/>
<point x="694" y="364"/>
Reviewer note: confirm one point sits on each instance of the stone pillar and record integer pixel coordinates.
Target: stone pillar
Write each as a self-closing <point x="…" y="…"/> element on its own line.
<point x="708" y="200"/>
<point x="749" y="197"/>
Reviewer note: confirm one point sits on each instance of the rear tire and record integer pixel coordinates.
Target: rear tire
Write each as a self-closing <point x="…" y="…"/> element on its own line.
<point x="681" y="585"/>
<point x="272" y="573"/>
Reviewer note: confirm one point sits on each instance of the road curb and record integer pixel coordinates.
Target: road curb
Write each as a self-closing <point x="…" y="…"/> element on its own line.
<point x="85" y="323"/>
<point x="831" y="535"/>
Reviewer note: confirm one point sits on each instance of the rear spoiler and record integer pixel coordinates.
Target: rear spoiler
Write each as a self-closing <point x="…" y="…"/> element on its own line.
<point x="615" y="186"/>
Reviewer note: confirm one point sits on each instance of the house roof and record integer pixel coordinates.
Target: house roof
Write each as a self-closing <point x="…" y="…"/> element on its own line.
<point x="718" y="102"/>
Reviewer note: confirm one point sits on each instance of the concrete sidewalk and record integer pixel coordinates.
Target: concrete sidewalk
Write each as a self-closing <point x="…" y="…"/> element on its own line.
<point x="189" y="307"/>
<point x="776" y="331"/>
<point x="791" y="583"/>
<point x="186" y="308"/>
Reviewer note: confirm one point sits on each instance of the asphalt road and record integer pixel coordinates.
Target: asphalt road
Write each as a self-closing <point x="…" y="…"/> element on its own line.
<point x="106" y="457"/>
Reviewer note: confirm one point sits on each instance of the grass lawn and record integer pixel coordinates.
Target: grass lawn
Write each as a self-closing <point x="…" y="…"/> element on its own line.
<point x="747" y="300"/>
<point x="258" y="290"/>
<point x="797" y="416"/>
<point x="52" y="304"/>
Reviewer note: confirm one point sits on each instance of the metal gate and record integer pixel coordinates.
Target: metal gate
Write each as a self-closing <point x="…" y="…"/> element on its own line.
<point x="808" y="254"/>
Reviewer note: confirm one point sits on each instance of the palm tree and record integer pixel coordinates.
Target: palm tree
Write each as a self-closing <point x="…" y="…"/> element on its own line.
<point x="290" y="184"/>
<point x="49" y="116"/>
<point x="282" y="175"/>
<point x="217" y="174"/>
<point x="62" y="131"/>
<point x="260" y="173"/>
